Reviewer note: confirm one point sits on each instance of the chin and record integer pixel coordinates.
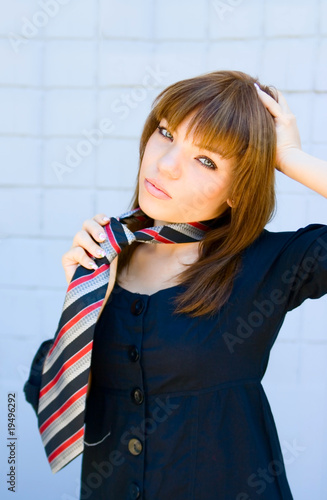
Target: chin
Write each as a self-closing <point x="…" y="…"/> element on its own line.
<point x="147" y="209"/>
<point x="154" y="213"/>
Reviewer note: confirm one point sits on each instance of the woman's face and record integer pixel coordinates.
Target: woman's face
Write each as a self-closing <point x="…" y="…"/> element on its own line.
<point x="196" y="180"/>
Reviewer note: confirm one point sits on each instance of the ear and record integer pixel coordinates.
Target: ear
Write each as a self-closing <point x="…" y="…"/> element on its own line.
<point x="230" y="202"/>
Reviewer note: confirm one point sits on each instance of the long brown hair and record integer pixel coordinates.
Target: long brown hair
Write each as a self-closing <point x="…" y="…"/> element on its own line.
<point x="228" y="115"/>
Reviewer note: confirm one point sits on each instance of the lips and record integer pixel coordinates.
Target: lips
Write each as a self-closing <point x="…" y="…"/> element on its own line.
<point x="158" y="186"/>
<point x="154" y="191"/>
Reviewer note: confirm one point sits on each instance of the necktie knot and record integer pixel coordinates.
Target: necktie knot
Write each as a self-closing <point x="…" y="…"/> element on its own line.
<point x="118" y="237"/>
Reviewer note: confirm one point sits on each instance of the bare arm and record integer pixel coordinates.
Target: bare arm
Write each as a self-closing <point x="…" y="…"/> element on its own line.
<point x="308" y="170"/>
<point x="291" y="160"/>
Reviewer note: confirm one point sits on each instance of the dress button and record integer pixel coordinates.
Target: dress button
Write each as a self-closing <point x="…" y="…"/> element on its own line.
<point x="134" y="446"/>
<point x="137" y="307"/>
<point x="133" y="353"/>
<point x="134" y="490"/>
<point x="137" y="396"/>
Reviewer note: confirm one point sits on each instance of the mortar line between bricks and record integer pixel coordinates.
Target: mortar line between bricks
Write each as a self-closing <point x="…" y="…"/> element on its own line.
<point x="321" y="38"/>
<point x="75" y="87"/>
<point x="96" y="103"/>
<point x="112" y="137"/>
<point x="53" y="187"/>
<point x="264" y="31"/>
<point x="207" y="30"/>
<point x="116" y="87"/>
<point x="36" y="237"/>
<point x="58" y="288"/>
<point x="263" y="41"/>
<point x="163" y="39"/>
<point x="42" y="149"/>
<point x="319" y="19"/>
<point x="68" y="187"/>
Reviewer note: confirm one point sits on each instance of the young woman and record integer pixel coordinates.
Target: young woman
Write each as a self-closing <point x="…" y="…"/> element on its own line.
<point x="175" y="407"/>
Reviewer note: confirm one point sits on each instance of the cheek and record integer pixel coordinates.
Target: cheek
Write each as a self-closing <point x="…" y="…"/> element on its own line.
<point x="148" y="152"/>
<point x="210" y="187"/>
<point x="151" y="145"/>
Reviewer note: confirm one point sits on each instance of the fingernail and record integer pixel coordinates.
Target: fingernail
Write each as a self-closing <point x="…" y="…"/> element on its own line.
<point x="105" y="218"/>
<point x="101" y="253"/>
<point x="93" y="264"/>
<point x="257" y="86"/>
<point x="102" y="236"/>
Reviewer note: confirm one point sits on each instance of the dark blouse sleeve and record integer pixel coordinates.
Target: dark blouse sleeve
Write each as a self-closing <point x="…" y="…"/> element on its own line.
<point x="303" y="261"/>
<point x="33" y="384"/>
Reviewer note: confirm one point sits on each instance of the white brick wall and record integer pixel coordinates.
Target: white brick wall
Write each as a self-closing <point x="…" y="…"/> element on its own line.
<point x="65" y="67"/>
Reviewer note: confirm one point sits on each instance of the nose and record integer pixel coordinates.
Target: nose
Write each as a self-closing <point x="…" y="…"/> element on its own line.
<point x="170" y="163"/>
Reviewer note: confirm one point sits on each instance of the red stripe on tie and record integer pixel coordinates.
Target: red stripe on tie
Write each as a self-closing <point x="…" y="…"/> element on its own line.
<point x="140" y="217"/>
<point x="87" y="277"/>
<point x="65" y="366"/>
<point x="63" y="408"/>
<point x="156" y="236"/>
<point x="112" y="239"/>
<point x="75" y="437"/>
<point x="200" y="226"/>
<point x="75" y="320"/>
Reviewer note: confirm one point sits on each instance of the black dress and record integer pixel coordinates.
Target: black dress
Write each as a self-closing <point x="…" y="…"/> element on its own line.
<point x="176" y="408"/>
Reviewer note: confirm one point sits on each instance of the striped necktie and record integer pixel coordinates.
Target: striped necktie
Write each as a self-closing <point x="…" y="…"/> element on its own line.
<point x="64" y="382"/>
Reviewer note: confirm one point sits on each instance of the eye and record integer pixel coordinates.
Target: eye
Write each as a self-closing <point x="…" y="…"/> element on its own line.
<point x="161" y="129"/>
<point x="211" y="166"/>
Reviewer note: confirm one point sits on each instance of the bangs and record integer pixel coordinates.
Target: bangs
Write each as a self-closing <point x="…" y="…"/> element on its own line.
<point x="220" y="123"/>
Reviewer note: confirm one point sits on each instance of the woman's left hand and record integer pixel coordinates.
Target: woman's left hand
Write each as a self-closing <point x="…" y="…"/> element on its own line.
<point x="287" y="132"/>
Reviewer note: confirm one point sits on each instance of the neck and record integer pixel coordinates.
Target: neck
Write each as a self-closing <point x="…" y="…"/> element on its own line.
<point x="157" y="222"/>
<point x="171" y="250"/>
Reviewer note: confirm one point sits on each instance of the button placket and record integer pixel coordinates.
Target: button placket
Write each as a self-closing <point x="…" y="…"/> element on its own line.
<point x="135" y="446"/>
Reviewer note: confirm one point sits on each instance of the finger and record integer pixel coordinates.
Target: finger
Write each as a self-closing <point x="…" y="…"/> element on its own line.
<point x="85" y="240"/>
<point x="95" y="229"/>
<point x="102" y="219"/>
<point x="272" y="105"/>
<point x="283" y="103"/>
<point x="75" y="256"/>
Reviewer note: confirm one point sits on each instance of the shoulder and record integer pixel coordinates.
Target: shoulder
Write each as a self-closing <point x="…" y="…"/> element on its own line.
<point x="273" y="244"/>
<point x="293" y="263"/>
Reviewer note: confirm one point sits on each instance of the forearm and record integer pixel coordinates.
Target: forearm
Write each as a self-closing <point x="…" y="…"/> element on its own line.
<point x="308" y="170"/>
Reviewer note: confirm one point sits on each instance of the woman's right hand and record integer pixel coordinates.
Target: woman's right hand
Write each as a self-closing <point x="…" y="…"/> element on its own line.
<point x="82" y="242"/>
